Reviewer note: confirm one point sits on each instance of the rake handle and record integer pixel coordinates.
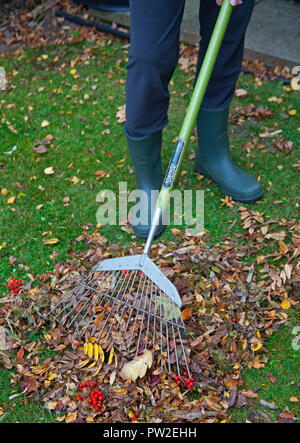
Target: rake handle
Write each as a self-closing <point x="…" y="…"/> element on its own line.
<point x="195" y="103"/>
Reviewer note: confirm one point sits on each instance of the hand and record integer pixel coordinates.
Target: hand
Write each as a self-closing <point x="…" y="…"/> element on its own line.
<point x="232" y="2"/>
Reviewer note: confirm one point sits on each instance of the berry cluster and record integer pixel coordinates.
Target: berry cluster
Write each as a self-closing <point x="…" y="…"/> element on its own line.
<point x="95" y="395"/>
<point x="14" y="285"/>
<point x="134" y="417"/>
<point x="188" y="381"/>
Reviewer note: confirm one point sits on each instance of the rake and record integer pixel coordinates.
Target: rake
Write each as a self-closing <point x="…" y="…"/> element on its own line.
<point x="128" y="303"/>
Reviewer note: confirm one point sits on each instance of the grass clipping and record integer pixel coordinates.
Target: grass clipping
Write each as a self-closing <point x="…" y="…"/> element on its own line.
<point x="137" y="367"/>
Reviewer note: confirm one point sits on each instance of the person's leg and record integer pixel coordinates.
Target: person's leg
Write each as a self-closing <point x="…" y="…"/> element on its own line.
<point x="153" y="56"/>
<point x="229" y="61"/>
<point x="213" y="155"/>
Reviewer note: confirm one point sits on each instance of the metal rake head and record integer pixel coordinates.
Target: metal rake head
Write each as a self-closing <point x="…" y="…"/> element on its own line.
<point x="128" y="303"/>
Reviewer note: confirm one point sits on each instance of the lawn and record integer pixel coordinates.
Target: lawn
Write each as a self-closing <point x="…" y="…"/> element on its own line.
<point x="62" y="144"/>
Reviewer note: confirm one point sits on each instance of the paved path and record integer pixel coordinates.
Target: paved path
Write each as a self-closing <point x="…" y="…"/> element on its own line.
<point x="273" y="34"/>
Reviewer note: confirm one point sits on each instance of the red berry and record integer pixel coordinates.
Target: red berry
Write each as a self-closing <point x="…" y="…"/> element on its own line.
<point x="137" y="414"/>
<point x="134" y="418"/>
<point x="176" y="377"/>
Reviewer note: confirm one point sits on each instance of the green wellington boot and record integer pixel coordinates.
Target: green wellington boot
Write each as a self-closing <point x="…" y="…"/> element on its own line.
<point x="213" y="158"/>
<point x="146" y="158"/>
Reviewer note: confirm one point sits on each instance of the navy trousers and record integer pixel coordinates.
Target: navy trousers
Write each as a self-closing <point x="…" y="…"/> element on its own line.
<point x="153" y="57"/>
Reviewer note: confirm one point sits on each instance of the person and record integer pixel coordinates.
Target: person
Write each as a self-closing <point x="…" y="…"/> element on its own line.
<point x="153" y="56"/>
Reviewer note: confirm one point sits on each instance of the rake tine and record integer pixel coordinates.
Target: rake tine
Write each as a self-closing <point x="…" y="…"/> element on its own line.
<point x="120" y="302"/>
<point x="67" y="297"/>
<point x="61" y="302"/>
<point x="182" y="349"/>
<point x="136" y="316"/>
<point x="84" y="305"/>
<point x="102" y="290"/>
<point x="93" y="287"/>
<point x="132" y="307"/>
<point x="167" y="335"/>
<point x="124" y="306"/>
<point x="141" y="326"/>
<point x="161" y="334"/>
<point x="150" y="306"/>
<point x="154" y="321"/>
<point x="175" y="347"/>
<point x="98" y="294"/>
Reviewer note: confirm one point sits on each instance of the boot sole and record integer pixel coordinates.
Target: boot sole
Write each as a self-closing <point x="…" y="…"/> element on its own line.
<point x="144" y="234"/>
<point x="237" y="198"/>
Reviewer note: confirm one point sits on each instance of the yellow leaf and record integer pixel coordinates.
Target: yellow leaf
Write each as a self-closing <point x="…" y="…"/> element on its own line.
<point x="89" y="419"/>
<point x="111" y="354"/>
<point x="90" y="350"/>
<point x="256" y="346"/>
<point x="101" y="353"/>
<point x="83" y="363"/>
<point x="73" y="71"/>
<point x="293" y="112"/>
<point x="4" y="191"/>
<point x="285" y="304"/>
<point x="51" y="241"/>
<point x="294" y="399"/>
<point x="45" y="123"/>
<point x="96" y="352"/>
<point x="71" y="417"/>
<point x="11" y="200"/>
<point x="85" y="348"/>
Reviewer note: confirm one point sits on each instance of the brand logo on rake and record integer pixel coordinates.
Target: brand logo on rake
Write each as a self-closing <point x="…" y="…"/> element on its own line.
<point x="184" y="208"/>
<point x="3" y="80"/>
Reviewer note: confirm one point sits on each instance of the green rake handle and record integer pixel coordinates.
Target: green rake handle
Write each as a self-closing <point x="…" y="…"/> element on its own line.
<point x="195" y="103"/>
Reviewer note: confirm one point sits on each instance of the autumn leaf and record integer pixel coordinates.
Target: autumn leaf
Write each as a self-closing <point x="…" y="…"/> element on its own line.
<point x="186" y="313"/>
<point x="285" y="304"/>
<point x="51" y="241"/>
<point x="11" y="200"/>
<point x="137" y="368"/>
<point x="256" y="346"/>
<point x="49" y="170"/>
<point x="20" y="355"/>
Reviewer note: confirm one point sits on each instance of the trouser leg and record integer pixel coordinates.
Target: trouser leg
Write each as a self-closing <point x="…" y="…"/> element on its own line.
<point x="153" y="56"/>
<point x="228" y="64"/>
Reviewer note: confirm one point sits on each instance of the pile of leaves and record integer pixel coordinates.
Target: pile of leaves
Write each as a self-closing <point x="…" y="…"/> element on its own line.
<point x="230" y="307"/>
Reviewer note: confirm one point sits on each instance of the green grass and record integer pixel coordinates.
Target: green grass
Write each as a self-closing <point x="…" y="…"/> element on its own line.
<point x="283" y="364"/>
<point x="80" y="107"/>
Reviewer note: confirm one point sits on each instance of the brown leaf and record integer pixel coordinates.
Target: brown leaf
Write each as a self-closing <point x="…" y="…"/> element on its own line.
<point x="20" y="355"/>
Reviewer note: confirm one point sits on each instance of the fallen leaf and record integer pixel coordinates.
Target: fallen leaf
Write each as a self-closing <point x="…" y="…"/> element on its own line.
<point x="285" y="304"/>
<point x="49" y="171"/>
<point x="137" y="367"/>
<point x="11" y="200"/>
<point x="186" y="313"/>
<point x="51" y="241"/>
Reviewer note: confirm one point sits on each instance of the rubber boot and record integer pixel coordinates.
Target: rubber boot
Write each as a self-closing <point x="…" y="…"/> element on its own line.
<point x="213" y="158"/>
<point x="146" y="158"/>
